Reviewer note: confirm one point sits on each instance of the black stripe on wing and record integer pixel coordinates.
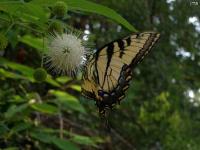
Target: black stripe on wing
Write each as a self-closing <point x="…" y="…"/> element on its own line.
<point x="128" y="41"/>
<point x="121" y="47"/>
<point x="110" y="50"/>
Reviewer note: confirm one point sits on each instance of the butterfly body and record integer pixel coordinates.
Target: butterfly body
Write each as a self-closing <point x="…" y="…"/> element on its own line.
<point x="108" y="72"/>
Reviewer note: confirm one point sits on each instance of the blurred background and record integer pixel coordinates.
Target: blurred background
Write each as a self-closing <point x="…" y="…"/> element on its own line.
<point x="161" y="110"/>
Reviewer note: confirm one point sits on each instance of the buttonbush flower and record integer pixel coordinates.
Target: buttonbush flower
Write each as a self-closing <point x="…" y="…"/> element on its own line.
<point x="65" y="53"/>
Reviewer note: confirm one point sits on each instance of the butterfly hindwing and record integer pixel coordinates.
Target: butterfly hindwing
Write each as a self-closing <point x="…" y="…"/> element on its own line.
<point x="108" y="72"/>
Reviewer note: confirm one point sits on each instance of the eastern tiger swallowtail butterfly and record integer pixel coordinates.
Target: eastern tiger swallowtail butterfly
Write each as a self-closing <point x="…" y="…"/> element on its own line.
<point x="108" y="72"/>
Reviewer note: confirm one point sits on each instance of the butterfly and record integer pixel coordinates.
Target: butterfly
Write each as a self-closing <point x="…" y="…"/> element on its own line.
<point x="108" y="71"/>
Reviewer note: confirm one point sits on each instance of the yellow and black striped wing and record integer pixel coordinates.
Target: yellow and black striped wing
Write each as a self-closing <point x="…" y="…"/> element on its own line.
<point x="111" y="66"/>
<point x="126" y="52"/>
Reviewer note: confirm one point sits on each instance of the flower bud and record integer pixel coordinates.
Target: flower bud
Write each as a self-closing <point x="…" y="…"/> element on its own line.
<point x="60" y="9"/>
<point x="55" y="27"/>
<point x="40" y="74"/>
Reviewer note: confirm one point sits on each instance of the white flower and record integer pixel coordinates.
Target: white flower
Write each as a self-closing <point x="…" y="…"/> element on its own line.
<point x="65" y="54"/>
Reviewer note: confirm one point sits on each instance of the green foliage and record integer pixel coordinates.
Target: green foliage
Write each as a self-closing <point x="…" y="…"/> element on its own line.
<point x="68" y="102"/>
<point x="34" y="42"/>
<point x="45" y="108"/>
<point x="88" y="6"/>
<point x="62" y="144"/>
<point x="3" y="42"/>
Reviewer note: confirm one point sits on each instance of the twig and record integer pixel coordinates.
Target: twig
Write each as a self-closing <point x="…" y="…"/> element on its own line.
<point x="38" y="116"/>
<point x="61" y="125"/>
<point x="122" y="139"/>
<point x="87" y="130"/>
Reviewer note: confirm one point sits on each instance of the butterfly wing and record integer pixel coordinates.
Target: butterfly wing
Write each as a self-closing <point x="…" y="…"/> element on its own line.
<point x="108" y="72"/>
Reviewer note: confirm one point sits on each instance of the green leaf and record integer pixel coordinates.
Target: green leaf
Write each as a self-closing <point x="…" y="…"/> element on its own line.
<point x="34" y="42"/>
<point x="63" y="79"/>
<point x="20" y="127"/>
<point x="8" y="74"/>
<point x="48" y="138"/>
<point x="51" y="81"/>
<point x="13" y="37"/>
<point x="10" y="6"/>
<point x="17" y="99"/>
<point x="45" y="108"/>
<point x="27" y="12"/>
<point x="76" y="87"/>
<point x="43" y="2"/>
<point x="14" y="110"/>
<point x="3" y="129"/>
<point x="83" y="140"/>
<point x="87" y="6"/>
<point x="41" y="136"/>
<point x="68" y="101"/>
<point x="23" y="72"/>
<point x="64" y="144"/>
<point x="36" y="11"/>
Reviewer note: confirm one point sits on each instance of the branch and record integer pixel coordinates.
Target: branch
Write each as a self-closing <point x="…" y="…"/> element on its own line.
<point x="122" y="139"/>
<point x="61" y="125"/>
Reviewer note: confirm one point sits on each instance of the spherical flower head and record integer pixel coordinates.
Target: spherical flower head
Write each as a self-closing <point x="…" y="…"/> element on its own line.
<point x="3" y="42"/>
<point x="65" y="54"/>
<point x="40" y="74"/>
